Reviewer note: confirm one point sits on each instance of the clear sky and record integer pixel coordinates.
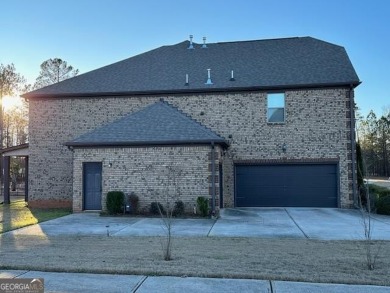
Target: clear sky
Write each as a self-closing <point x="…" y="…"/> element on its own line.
<point x="90" y="34"/>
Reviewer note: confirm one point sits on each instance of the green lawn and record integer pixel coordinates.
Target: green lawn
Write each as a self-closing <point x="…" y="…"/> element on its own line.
<point x="18" y="215"/>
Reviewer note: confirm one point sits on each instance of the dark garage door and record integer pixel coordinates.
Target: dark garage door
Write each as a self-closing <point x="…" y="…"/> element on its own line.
<point x="311" y="185"/>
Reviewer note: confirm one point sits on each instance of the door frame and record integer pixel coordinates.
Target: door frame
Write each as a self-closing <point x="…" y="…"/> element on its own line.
<point x="84" y="185"/>
<point x="220" y="180"/>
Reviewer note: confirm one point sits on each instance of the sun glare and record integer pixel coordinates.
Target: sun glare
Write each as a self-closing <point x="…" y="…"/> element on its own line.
<point x="11" y="102"/>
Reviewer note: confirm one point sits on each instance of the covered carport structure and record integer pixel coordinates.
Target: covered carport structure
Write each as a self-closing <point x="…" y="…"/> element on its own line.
<point x="6" y="154"/>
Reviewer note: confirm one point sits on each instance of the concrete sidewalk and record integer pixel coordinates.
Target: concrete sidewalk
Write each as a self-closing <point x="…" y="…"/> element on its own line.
<point x="77" y="282"/>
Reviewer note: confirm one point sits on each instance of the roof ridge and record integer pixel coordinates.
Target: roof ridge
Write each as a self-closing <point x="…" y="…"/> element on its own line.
<point x="260" y="40"/>
<point x="243" y="41"/>
<point x="204" y="128"/>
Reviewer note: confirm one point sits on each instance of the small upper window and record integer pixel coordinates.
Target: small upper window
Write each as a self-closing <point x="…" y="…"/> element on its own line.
<point x="275" y="108"/>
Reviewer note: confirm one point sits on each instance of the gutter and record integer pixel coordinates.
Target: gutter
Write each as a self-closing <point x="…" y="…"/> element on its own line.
<point x="353" y="147"/>
<point x="113" y="144"/>
<point x="33" y="95"/>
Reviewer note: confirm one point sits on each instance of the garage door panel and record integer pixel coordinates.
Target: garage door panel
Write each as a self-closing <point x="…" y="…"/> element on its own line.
<point x="313" y="185"/>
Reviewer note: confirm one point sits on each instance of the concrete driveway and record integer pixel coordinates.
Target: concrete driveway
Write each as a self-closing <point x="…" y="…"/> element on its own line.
<point x="312" y="223"/>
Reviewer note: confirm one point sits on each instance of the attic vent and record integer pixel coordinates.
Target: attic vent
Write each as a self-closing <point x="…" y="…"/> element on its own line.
<point x="191" y="46"/>
<point x="204" y="43"/>
<point x="209" y="77"/>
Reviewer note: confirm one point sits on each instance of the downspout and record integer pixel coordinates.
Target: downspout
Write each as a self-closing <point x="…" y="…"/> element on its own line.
<point x="353" y="146"/>
<point x="212" y="179"/>
<point x="71" y="149"/>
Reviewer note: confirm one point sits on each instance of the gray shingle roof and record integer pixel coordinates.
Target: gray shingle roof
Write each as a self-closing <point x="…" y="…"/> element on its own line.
<point x="276" y="63"/>
<point x="157" y="124"/>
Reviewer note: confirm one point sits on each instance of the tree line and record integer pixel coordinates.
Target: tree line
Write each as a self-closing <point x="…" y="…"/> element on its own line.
<point x="374" y="139"/>
<point x="14" y="121"/>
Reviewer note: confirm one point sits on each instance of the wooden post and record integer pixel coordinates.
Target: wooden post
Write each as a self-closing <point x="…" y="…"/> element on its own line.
<point x="6" y="167"/>
<point x="26" y="178"/>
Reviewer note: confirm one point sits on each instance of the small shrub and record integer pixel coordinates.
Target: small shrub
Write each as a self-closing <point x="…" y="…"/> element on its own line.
<point x="178" y="210"/>
<point x="375" y="191"/>
<point x="134" y="202"/>
<point x="115" y="202"/>
<point x="382" y="205"/>
<point x="156" y="208"/>
<point x="379" y="190"/>
<point x="203" y="205"/>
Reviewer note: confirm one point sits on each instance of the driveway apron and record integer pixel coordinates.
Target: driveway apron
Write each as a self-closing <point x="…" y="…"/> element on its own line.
<point x="256" y="222"/>
<point x="338" y="224"/>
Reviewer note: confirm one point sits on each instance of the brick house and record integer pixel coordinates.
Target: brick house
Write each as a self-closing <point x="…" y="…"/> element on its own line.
<point x="246" y="124"/>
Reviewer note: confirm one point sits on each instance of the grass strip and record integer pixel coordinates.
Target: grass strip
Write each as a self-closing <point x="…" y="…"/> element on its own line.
<point x="301" y="260"/>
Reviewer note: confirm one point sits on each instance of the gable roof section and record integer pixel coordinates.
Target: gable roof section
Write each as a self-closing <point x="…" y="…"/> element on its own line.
<point x="262" y="64"/>
<point x="157" y="124"/>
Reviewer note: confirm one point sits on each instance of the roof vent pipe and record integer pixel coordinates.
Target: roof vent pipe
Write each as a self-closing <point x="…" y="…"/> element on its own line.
<point x="204" y="43"/>
<point x="187" y="80"/>
<point x="191" y="46"/>
<point x="209" y="77"/>
<point x="232" y="76"/>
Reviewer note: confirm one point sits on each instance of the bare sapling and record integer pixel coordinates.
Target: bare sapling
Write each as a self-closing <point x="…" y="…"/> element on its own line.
<point x="173" y="174"/>
<point x="371" y="253"/>
<point x="166" y="244"/>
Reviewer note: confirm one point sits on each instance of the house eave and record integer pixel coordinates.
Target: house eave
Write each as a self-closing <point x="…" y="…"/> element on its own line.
<point x="352" y="84"/>
<point x="19" y="150"/>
